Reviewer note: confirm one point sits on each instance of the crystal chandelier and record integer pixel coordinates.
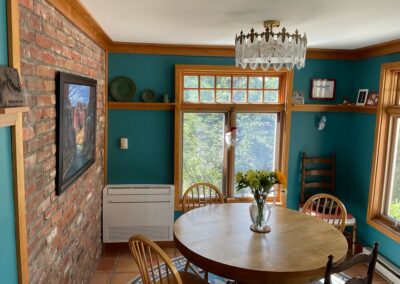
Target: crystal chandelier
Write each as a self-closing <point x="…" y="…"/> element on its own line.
<point x="270" y="49"/>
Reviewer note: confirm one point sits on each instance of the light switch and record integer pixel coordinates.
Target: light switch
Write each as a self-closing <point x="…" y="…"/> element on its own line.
<point x="123" y="143"/>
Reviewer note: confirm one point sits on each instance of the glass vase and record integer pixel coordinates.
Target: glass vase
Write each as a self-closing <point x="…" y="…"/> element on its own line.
<point x="260" y="213"/>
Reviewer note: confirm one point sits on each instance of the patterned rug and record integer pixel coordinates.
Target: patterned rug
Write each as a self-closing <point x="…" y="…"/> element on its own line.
<point x="180" y="262"/>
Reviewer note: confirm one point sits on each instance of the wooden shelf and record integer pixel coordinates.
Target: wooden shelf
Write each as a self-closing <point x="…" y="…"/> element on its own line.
<point x="141" y="106"/>
<point x="333" y="108"/>
<point x="10" y="110"/>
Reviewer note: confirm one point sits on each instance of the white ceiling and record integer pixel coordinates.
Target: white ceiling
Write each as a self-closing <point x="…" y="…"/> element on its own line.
<point x="337" y="24"/>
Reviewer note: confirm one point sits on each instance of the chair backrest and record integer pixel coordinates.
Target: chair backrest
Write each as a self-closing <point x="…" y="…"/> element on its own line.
<point x="328" y="208"/>
<point x="317" y="175"/>
<point x="359" y="258"/>
<point x="201" y="194"/>
<point x="150" y="259"/>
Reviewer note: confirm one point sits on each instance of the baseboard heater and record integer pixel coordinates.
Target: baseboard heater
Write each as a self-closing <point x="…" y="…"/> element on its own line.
<point x="146" y="209"/>
<point x="385" y="267"/>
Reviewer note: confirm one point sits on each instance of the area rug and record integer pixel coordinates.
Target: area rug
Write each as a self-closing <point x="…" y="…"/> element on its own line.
<point x="180" y="263"/>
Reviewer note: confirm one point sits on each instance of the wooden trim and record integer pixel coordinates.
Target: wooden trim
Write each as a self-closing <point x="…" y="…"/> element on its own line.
<point x="172" y="49"/>
<point x="14" y="120"/>
<point x="77" y="14"/>
<point x="384" y="48"/>
<point x="140" y="106"/>
<point x="12" y="110"/>
<point x="336" y="54"/>
<point x="267" y="107"/>
<point x="105" y="154"/>
<point x="286" y="125"/>
<point x="332" y="108"/>
<point x="388" y="83"/>
<point x="14" y="56"/>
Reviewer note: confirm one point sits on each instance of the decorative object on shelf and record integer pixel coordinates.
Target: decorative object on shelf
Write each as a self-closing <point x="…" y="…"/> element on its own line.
<point x="261" y="183"/>
<point x="323" y="89"/>
<point x="76" y="128"/>
<point x="148" y="96"/>
<point x="269" y="49"/>
<point x="372" y="99"/>
<point x="165" y="98"/>
<point x="321" y="124"/>
<point x="10" y="88"/>
<point x="346" y="101"/>
<point x="362" y="97"/>
<point x="298" y="98"/>
<point x="122" y="89"/>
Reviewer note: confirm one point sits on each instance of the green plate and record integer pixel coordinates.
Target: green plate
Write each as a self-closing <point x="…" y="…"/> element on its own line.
<point x="148" y="96"/>
<point x="122" y="89"/>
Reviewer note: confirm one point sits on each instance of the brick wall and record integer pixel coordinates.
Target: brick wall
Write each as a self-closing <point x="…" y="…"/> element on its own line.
<point x="64" y="232"/>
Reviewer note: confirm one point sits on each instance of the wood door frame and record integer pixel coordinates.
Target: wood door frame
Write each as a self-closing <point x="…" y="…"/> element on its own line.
<point x="12" y="117"/>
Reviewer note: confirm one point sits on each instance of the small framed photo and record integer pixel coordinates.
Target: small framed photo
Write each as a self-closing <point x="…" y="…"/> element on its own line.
<point x="372" y="99"/>
<point x="323" y="89"/>
<point x="298" y="98"/>
<point x="362" y="97"/>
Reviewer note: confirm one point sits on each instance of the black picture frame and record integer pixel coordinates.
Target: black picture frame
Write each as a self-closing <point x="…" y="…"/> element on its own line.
<point x="76" y="127"/>
<point x="323" y="89"/>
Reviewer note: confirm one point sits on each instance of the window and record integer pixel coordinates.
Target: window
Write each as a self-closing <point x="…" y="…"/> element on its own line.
<point x="211" y="99"/>
<point x="384" y="202"/>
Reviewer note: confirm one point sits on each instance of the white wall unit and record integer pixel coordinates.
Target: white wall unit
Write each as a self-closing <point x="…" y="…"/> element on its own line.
<point x="146" y="209"/>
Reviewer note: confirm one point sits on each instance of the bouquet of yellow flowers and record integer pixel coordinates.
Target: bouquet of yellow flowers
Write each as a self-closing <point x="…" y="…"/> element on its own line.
<point x="260" y="181"/>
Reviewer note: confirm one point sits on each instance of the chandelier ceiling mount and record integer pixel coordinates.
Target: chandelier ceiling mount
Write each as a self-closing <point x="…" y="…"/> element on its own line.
<point x="268" y="49"/>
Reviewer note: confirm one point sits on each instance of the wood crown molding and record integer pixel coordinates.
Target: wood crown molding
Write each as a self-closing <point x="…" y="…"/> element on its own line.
<point x="81" y="17"/>
<point x="75" y="12"/>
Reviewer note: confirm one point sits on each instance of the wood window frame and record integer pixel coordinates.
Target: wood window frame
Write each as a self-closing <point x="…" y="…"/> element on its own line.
<point x="388" y="107"/>
<point x="285" y="88"/>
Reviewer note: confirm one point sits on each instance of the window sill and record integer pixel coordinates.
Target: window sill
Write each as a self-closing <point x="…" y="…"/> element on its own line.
<point x="385" y="227"/>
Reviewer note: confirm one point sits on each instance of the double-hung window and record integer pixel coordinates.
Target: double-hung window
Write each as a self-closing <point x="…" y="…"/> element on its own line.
<point x="384" y="203"/>
<point x="210" y="100"/>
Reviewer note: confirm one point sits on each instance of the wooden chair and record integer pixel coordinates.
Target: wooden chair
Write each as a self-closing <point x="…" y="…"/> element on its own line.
<point x="318" y="176"/>
<point x="328" y="208"/>
<point x="199" y="195"/>
<point x="155" y="265"/>
<point x="369" y="259"/>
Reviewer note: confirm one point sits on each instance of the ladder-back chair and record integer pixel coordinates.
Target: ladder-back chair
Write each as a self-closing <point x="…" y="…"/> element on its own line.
<point x="318" y="176"/>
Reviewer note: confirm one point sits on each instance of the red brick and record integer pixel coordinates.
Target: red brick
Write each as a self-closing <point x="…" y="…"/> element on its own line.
<point x="46" y="100"/>
<point x="28" y="133"/>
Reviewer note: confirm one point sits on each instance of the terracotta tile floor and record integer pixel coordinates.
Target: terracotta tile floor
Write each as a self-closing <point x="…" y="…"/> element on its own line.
<point x="119" y="267"/>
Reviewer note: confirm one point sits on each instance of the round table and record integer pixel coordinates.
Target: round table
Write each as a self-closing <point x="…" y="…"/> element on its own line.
<point x="218" y="239"/>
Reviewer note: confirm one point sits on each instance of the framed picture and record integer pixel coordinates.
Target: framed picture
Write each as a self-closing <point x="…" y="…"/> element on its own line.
<point x="298" y="98"/>
<point x="372" y="99"/>
<point x="76" y="128"/>
<point x="323" y="89"/>
<point x="362" y="97"/>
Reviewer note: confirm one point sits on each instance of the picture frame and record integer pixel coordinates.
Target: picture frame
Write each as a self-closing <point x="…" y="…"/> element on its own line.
<point x="298" y="98"/>
<point x="76" y="127"/>
<point x="362" y="97"/>
<point x="372" y="99"/>
<point x="323" y="89"/>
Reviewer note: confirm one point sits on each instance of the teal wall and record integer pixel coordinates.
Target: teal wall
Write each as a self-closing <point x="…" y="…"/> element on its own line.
<point x="341" y="70"/>
<point x="8" y="261"/>
<point x="149" y="158"/>
<point x="3" y="34"/>
<point x="350" y="135"/>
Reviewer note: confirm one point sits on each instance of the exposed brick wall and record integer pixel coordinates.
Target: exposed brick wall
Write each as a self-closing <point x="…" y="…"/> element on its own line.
<point x="64" y="232"/>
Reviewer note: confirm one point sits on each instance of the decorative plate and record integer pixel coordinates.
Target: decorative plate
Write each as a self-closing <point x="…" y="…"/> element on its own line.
<point x="148" y="96"/>
<point x="122" y="89"/>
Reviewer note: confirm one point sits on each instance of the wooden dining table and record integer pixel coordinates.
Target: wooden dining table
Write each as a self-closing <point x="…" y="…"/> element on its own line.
<point x="218" y="239"/>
